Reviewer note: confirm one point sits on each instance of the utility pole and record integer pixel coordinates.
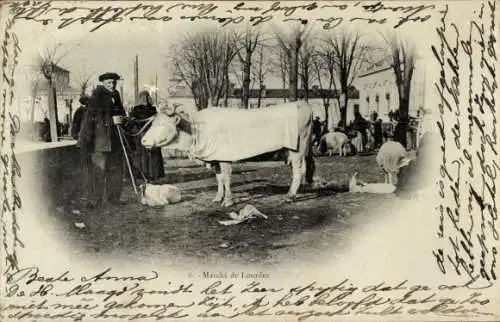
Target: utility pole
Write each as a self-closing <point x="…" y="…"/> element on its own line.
<point x="136" y="79"/>
<point x="121" y="90"/>
<point x="156" y="92"/>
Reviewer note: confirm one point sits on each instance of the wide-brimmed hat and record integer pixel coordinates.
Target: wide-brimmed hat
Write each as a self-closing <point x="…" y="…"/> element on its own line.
<point x="105" y="76"/>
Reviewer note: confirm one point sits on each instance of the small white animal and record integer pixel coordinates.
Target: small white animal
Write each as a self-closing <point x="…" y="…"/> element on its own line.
<point x="159" y="195"/>
<point x="359" y="186"/>
<point x="392" y="156"/>
<point x="335" y="142"/>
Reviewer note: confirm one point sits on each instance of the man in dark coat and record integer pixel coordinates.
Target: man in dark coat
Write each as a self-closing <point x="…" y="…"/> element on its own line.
<point x="316" y="130"/>
<point x="377" y="130"/>
<point x="99" y="136"/>
<point x="85" y="156"/>
<point x="78" y="117"/>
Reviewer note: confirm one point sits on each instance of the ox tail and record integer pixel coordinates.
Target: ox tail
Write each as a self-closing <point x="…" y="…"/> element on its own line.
<point x="310" y="166"/>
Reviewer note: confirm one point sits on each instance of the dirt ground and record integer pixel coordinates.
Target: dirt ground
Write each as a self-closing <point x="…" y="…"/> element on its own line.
<point x="320" y="220"/>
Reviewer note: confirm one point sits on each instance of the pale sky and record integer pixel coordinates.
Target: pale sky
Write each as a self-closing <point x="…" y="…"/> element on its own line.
<point x="114" y="46"/>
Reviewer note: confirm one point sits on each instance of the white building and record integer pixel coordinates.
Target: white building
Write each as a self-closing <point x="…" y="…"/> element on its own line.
<point x="378" y="91"/>
<point x="32" y="95"/>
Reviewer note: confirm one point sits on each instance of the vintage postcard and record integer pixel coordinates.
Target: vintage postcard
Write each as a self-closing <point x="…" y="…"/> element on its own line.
<point x="249" y="161"/>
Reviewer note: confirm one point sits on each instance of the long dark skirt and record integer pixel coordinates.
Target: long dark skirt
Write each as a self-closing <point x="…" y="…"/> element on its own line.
<point x="149" y="161"/>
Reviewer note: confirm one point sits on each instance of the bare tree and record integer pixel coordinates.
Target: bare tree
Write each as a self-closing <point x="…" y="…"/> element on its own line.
<point x="323" y="64"/>
<point x="262" y="69"/>
<point x="83" y="84"/>
<point x="202" y="60"/>
<point x="246" y="44"/>
<point x="291" y="44"/>
<point x="403" y="54"/>
<point x="349" y="57"/>
<point x="280" y="68"/>
<point x="306" y="57"/>
<point x="47" y="64"/>
<point x="230" y="53"/>
<point x="35" y="85"/>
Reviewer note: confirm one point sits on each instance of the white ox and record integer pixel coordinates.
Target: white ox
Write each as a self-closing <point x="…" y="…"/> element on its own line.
<point x="220" y="136"/>
<point x="390" y="157"/>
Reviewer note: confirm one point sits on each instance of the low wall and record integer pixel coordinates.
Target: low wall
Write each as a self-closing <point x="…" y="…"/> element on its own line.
<point x="51" y="170"/>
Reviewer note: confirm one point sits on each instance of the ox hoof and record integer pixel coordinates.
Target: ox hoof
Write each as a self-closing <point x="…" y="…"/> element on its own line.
<point x="227" y="203"/>
<point x="290" y="199"/>
<point x="217" y="200"/>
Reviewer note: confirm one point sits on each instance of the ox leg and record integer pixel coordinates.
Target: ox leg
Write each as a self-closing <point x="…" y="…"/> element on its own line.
<point x="220" y="188"/>
<point x="226" y="171"/>
<point x="220" y="183"/>
<point x="297" y="171"/>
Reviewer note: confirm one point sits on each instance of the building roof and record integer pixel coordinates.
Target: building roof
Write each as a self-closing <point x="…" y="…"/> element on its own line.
<point x="59" y="69"/>
<point x="314" y="92"/>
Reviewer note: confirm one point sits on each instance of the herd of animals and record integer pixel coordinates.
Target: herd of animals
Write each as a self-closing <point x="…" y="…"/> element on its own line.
<point x="172" y="124"/>
<point x="349" y="141"/>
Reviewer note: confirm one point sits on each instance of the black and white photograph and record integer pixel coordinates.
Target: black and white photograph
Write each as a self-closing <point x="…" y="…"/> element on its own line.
<point x="252" y="161"/>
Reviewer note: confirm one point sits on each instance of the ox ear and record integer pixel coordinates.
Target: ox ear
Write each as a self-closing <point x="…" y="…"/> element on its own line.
<point x="177" y="119"/>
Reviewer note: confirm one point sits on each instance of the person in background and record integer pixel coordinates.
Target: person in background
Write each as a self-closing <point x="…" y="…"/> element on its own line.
<point x="65" y="126"/>
<point x="316" y="129"/>
<point x="377" y="130"/>
<point x="78" y="117"/>
<point x="99" y="136"/>
<point x="401" y="130"/>
<point x="85" y="160"/>
<point x="361" y="125"/>
<point x="44" y="132"/>
<point x="149" y="161"/>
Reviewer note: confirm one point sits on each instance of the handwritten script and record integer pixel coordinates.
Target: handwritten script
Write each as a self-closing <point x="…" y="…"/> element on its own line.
<point x="10" y="168"/>
<point x="332" y="15"/>
<point x="32" y="294"/>
<point x="468" y="174"/>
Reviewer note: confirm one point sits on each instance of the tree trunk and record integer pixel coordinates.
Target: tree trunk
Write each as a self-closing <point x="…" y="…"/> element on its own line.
<point x="343" y="108"/>
<point x="245" y="95"/>
<point x="70" y="107"/>
<point x="327" y="113"/>
<point x="305" y="81"/>
<point x="52" y="100"/>
<point x="261" y="90"/>
<point x="293" y="85"/>
<point x="32" y="113"/>
<point x="226" y="86"/>
<point x="200" y="95"/>
<point x="343" y="115"/>
<point x="404" y="99"/>
<point x="305" y="86"/>
<point x="402" y="125"/>
<point x="283" y="80"/>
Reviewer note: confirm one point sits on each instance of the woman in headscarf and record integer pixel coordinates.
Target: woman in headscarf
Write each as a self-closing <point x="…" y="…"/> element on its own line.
<point x="149" y="161"/>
